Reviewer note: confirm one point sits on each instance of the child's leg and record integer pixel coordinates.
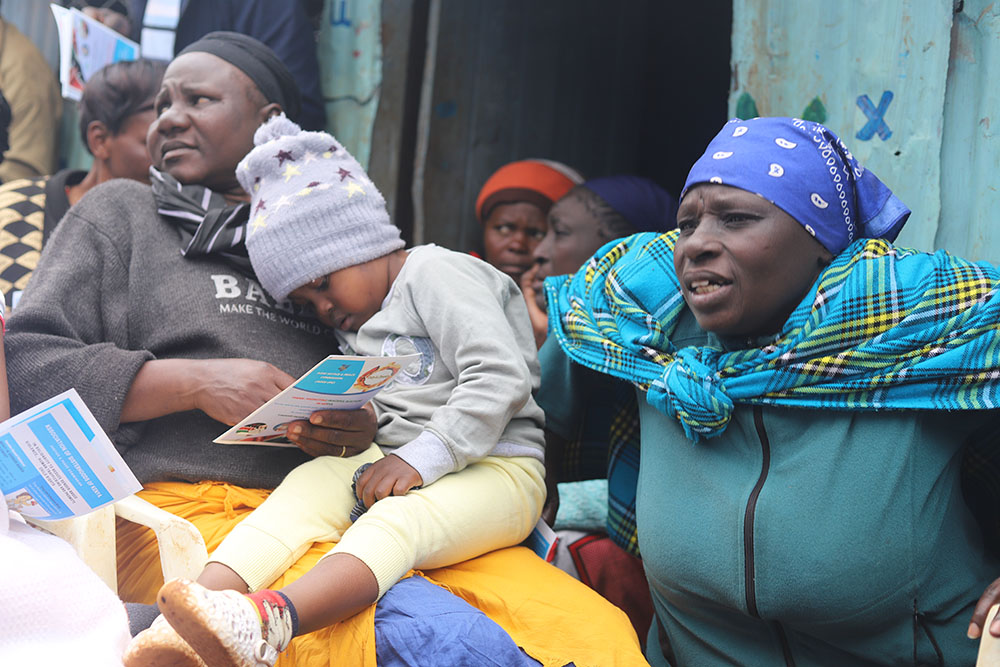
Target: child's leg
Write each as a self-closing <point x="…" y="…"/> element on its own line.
<point x="312" y="504"/>
<point x="489" y="505"/>
<point x="337" y="587"/>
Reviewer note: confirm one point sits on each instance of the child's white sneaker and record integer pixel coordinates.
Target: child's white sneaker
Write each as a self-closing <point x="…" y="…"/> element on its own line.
<point x="225" y="628"/>
<point x="159" y="645"/>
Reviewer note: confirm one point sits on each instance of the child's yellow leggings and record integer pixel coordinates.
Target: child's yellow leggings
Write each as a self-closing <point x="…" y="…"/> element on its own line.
<point x="490" y="504"/>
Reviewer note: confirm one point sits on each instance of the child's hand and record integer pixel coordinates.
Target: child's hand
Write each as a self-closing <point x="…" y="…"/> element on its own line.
<point x="391" y="476"/>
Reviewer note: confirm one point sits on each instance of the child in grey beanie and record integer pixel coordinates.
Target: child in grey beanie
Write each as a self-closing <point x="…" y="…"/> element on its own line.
<point x="313" y="209"/>
<point x="456" y="468"/>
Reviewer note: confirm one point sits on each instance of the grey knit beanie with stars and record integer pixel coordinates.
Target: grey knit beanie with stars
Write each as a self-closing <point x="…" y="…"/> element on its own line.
<point x="313" y="209"/>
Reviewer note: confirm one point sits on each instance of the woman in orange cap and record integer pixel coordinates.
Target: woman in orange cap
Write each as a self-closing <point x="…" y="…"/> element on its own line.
<point x="512" y="206"/>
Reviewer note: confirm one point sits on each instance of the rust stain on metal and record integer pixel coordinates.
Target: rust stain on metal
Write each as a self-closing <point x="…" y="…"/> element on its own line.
<point x="984" y="13"/>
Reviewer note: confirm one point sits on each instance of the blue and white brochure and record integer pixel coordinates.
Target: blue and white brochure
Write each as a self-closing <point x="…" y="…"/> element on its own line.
<point x="57" y="462"/>
<point x="336" y="383"/>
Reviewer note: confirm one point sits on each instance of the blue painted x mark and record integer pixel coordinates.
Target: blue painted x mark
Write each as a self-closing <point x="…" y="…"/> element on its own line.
<point x="876" y="116"/>
<point x="342" y="19"/>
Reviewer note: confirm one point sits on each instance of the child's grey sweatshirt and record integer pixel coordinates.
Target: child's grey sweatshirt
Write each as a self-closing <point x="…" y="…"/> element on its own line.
<point x="471" y="394"/>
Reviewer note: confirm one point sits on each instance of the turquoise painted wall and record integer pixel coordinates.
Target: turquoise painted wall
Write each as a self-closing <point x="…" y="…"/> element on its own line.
<point x="910" y="86"/>
<point x="970" y="152"/>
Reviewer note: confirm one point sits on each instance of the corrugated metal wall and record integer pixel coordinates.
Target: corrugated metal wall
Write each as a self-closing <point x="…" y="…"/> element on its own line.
<point x="635" y="86"/>
<point x="969" y="222"/>
<point x="909" y="87"/>
<point x="640" y="86"/>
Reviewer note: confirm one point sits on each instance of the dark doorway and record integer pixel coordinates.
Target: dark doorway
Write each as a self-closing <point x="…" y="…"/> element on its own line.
<point x="636" y="86"/>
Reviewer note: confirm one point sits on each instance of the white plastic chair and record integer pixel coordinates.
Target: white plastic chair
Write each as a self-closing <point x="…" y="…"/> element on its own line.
<point x="182" y="548"/>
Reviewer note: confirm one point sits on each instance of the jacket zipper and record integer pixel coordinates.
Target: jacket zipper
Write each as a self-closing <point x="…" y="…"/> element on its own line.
<point x="748" y="522"/>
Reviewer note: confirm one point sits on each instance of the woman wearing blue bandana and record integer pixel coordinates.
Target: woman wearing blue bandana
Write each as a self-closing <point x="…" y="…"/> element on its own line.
<point x="806" y="393"/>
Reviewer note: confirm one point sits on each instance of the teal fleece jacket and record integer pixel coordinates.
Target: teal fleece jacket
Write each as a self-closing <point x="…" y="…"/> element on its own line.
<point x="806" y="537"/>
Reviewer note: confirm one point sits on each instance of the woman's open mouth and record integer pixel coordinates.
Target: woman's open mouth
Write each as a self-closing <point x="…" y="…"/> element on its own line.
<point x="707" y="292"/>
<point x="700" y="287"/>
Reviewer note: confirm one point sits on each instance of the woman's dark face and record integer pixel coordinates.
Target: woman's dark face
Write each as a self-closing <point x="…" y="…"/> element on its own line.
<point x="207" y="111"/>
<point x="127" y="153"/>
<point x="510" y="235"/>
<point x="574" y="235"/>
<point x="743" y="263"/>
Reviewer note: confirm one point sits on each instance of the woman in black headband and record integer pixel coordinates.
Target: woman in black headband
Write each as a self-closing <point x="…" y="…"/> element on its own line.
<point x="168" y="339"/>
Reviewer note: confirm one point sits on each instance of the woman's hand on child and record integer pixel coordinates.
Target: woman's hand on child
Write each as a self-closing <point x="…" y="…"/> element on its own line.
<point x="390" y="476"/>
<point x="335" y="432"/>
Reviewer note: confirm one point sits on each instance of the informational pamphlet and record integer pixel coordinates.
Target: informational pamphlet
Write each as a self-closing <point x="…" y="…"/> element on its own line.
<point x="543" y="541"/>
<point x="85" y="46"/>
<point x="336" y="383"/>
<point x="57" y="462"/>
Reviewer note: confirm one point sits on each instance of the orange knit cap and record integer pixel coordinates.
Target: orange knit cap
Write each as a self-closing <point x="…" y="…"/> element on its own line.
<point x="538" y="182"/>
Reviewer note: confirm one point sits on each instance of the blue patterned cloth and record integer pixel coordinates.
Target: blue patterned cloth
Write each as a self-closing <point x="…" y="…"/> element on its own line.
<point x="804" y="169"/>
<point x="882" y="327"/>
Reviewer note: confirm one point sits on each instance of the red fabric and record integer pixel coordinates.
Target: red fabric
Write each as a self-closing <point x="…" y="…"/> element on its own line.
<point x="273" y="598"/>
<point x="550" y="180"/>
<point x="616" y="575"/>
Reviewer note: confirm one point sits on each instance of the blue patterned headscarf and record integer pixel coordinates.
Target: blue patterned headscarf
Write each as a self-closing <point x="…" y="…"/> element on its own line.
<point x="804" y="169"/>
<point x="881" y="328"/>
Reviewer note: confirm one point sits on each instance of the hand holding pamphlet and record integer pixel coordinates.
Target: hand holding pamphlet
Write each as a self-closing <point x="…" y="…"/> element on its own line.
<point x="57" y="462"/>
<point x="85" y="46"/>
<point x="336" y="383"/>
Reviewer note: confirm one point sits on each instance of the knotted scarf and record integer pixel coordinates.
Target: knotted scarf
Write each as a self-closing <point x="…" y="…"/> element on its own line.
<point x="208" y="224"/>
<point x="882" y="327"/>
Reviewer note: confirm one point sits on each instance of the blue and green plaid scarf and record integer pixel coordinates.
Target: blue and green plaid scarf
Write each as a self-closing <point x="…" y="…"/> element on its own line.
<point x="882" y="328"/>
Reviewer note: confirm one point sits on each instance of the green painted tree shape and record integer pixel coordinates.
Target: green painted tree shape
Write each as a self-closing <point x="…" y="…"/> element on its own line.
<point x="746" y="107"/>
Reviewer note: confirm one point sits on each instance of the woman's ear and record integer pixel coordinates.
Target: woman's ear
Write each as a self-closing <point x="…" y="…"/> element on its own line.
<point x="97" y="140"/>
<point x="271" y="110"/>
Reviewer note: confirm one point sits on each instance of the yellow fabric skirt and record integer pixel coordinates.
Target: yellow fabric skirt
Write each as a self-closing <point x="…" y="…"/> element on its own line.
<point x="553" y="617"/>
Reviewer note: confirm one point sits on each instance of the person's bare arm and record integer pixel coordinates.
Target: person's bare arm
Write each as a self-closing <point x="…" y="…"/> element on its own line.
<point x="539" y="318"/>
<point x="227" y="390"/>
<point x="990" y="597"/>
